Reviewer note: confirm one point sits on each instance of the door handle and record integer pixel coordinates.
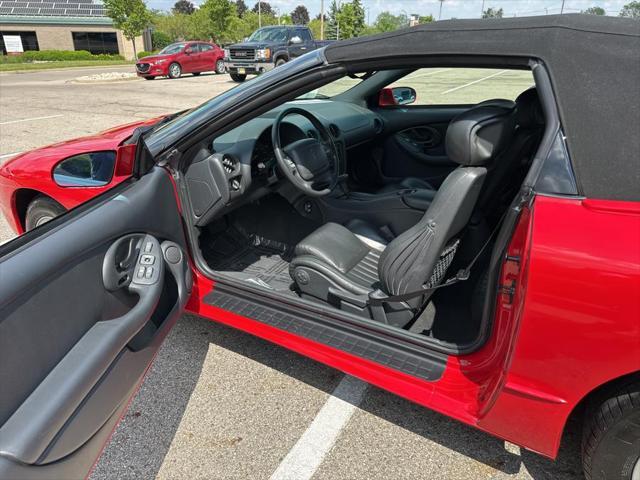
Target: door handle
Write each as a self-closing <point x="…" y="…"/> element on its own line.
<point x="62" y="391"/>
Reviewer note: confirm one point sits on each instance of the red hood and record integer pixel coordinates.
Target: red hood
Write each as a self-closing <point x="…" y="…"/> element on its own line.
<point x="44" y="158"/>
<point x="155" y="58"/>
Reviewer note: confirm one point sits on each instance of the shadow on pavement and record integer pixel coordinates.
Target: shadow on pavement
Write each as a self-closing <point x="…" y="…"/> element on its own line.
<point x="141" y="441"/>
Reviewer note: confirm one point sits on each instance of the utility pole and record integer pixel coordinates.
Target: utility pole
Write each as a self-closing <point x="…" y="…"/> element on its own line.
<point x="562" y="8"/>
<point x="321" y="19"/>
<point x="440" y="14"/>
<point x="482" y="9"/>
<point x="259" y="14"/>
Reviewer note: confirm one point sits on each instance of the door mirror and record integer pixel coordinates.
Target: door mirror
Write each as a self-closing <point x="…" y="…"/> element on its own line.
<point x="86" y="170"/>
<point x="397" y="96"/>
<point x="295" y="40"/>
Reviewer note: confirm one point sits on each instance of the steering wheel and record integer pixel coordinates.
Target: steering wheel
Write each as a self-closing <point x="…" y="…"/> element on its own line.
<point x="308" y="163"/>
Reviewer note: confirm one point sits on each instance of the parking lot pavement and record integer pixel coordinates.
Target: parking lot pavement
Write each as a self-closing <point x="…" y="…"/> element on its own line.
<point x="218" y="403"/>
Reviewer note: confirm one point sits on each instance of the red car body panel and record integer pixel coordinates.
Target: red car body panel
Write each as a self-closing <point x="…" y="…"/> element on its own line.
<point x="195" y="62"/>
<point x="572" y="324"/>
<point x="34" y="171"/>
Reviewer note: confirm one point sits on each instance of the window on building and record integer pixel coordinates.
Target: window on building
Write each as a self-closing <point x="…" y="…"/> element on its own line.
<point x="29" y="40"/>
<point x="96" y="42"/>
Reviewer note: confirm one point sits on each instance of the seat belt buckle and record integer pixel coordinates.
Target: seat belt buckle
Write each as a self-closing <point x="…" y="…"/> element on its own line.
<point x="463" y="275"/>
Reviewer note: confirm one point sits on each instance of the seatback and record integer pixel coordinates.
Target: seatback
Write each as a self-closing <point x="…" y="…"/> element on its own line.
<point x="473" y="139"/>
<point x="507" y="170"/>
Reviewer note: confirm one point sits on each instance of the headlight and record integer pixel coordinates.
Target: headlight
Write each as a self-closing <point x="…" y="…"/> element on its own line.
<point x="161" y="61"/>
<point x="263" y="54"/>
<point x="227" y="53"/>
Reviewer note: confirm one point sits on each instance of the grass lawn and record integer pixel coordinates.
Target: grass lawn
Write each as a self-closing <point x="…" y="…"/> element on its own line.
<point x="14" y="67"/>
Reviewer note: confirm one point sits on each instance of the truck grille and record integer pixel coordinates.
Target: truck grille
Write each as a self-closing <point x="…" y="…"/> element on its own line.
<point x="242" y="54"/>
<point x="142" y="67"/>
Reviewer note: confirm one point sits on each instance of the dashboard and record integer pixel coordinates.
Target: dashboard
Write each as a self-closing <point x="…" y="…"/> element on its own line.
<point x="241" y="163"/>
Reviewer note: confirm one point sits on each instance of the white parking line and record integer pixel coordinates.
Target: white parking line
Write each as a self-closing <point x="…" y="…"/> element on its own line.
<point x="308" y="453"/>
<point x="30" y="119"/>
<point x="426" y="74"/>
<point x="474" y="82"/>
<point x="10" y="154"/>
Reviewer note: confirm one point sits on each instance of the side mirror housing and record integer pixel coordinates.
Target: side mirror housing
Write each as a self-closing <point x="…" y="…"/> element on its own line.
<point x="396" y="96"/>
<point x="295" y="40"/>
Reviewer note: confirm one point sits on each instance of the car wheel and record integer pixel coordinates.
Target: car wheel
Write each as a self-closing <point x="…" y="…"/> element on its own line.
<point x="238" y="78"/>
<point x="220" y="67"/>
<point x="40" y="211"/>
<point x="611" y="436"/>
<point x="195" y="74"/>
<point x="149" y="78"/>
<point x="175" y="70"/>
<point x="280" y="61"/>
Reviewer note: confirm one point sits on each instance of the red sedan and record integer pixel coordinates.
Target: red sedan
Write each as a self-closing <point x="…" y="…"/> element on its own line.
<point x="481" y="258"/>
<point x="182" y="57"/>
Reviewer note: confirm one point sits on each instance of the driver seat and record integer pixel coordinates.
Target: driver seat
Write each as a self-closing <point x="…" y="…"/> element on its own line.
<point x="337" y="267"/>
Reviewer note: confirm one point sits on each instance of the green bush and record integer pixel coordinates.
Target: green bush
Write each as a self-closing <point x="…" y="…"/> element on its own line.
<point x="159" y="40"/>
<point x="144" y="53"/>
<point x="57" y="56"/>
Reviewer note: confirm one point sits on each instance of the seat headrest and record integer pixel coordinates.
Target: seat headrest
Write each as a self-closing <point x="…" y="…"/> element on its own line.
<point x="529" y="110"/>
<point x="480" y="133"/>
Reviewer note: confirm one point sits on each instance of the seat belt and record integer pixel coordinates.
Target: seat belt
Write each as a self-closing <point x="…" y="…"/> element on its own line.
<point x="462" y="275"/>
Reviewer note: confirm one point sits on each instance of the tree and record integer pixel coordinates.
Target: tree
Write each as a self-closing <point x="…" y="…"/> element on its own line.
<point x="388" y="22"/>
<point x="220" y="15"/>
<point x="130" y="16"/>
<point x="183" y="6"/>
<point x="160" y="39"/>
<point x="594" y="11"/>
<point x="265" y="8"/>
<point x="631" y="10"/>
<point x="426" y="19"/>
<point x="359" y="22"/>
<point x="492" y="13"/>
<point x="331" y="25"/>
<point x="300" y="16"/>
<point x="241" y="8"/>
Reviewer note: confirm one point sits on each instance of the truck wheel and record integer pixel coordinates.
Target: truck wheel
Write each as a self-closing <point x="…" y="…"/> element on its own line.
<point x="280" y="61"/>
<point x="175" y="70"/>
<point x="238" y="78"/>
<point x="220" y="67"/>
<point x="40" y="211"/>
<point x="611" y="435"/>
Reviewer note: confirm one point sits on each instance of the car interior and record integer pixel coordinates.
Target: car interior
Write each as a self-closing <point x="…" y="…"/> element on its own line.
<point x="363" y="199"/>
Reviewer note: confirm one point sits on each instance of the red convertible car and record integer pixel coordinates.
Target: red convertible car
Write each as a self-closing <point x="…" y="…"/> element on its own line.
<point x="479" y="258"/>
<point x="182" y="57"/>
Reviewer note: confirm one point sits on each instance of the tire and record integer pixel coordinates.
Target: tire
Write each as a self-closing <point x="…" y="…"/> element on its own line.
<point x="175" y="70"/>
<point x="238" y="78"/>
<point x="280" y="61"/>
<point x="220" y="69"/>
<point x="149" y="78"/>
<point x="611" y="435"/>
<point x="195" y="74"/>
<point x="40" y="211"/>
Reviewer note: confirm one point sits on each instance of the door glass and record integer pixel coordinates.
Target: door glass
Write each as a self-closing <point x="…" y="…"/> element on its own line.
<point x="464" y="86"/>
<point x="205" y="48"/>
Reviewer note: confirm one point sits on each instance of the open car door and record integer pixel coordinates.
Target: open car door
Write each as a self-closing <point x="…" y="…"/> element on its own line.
<point x="85" y="302"/>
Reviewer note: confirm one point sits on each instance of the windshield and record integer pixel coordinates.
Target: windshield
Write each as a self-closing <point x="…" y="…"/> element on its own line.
<point x="171" y="49"/>
<point x="332" y="89"/>
<point x="269" y="34"/>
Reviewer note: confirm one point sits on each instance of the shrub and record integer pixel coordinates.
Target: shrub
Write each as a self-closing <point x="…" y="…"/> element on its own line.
<point x="144" y="53"/>
<point x="160" y="40"/>
<point x="57" y="56"/>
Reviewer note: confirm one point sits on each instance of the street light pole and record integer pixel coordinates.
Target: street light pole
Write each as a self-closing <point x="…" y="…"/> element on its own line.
<point x="321" y="19"/>
<point x="482" y="9"/>
<point x="440" y="14"/>
<point x="259" y="14"/>
<point x="562" y="8"/>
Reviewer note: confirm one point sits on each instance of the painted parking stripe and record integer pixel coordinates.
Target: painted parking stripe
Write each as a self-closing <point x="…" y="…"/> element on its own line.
<point x="10" y="154"/>
<point x="30" y="119"/>
<point x="426" y="74"/>
<point x="474" y="82"/>
<point x="307" y="454"/>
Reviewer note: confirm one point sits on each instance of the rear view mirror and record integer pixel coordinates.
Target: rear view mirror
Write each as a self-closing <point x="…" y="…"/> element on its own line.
<point x="85" y="170"/>
<point x="397" y="96"/>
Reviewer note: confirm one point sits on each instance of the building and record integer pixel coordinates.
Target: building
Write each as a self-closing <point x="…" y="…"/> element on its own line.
<point x="61" y="25"/>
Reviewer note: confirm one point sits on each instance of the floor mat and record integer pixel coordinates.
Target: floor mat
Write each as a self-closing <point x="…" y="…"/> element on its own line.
<point x="255" y="259"/>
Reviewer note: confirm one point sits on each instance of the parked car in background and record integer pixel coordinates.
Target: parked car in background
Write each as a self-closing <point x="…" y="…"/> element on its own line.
<point x="182" y="57"/>
<point x="267" y="48"/>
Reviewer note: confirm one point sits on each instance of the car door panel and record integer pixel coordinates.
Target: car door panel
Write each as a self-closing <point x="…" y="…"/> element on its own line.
<point x="79" y="327"/>
<point x="414" y="143"/>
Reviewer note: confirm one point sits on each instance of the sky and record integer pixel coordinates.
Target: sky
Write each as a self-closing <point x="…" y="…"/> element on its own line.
<point x="450" y="8"/>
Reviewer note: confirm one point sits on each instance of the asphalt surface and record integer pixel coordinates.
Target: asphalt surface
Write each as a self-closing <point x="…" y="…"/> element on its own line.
<point x="218" y="403"/>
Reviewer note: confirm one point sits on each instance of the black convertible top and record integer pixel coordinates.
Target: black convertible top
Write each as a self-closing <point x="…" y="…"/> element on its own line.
<point x="594" y="64"/>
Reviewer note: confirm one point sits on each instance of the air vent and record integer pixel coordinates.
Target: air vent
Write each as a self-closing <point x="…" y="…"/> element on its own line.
<point x="229" y="164"/>
<point x="335" y="131"/>
<point x="378" y="125"/>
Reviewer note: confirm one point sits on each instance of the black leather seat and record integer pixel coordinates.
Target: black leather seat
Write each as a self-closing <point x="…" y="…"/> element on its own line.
<point x="336" y="266"/>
